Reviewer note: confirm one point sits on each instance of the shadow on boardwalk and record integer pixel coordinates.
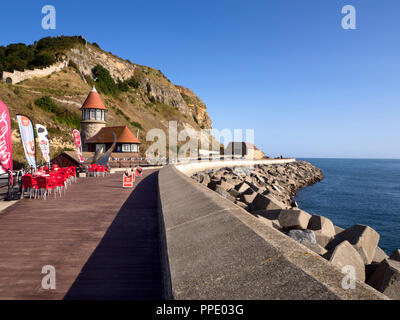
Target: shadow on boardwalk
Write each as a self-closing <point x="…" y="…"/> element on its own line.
<point x="126" y="264"/>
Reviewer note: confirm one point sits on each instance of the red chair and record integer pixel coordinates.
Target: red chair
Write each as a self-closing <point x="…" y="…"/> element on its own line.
<point x="60" y="183"/>
<point x="73" y="173"/>
<point x="27" y="184"/>
<point x="42" y="186"/>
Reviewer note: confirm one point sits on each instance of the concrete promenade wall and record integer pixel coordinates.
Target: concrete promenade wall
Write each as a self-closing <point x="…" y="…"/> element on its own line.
<point x="190" y="168"/>
<point x="216" y="250"/>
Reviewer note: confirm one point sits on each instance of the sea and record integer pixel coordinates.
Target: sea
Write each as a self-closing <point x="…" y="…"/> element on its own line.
<point x="357" y="191"/>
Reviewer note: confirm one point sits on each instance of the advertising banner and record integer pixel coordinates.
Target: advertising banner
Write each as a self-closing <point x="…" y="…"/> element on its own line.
<point x="6" y="160"/>
<point x="28" y="138"/>
<point x="44" y="144"/>
<point x="78" y="144"/>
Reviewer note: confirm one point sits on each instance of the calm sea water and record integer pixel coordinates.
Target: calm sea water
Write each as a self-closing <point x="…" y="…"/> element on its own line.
<point x="356" y="191"/>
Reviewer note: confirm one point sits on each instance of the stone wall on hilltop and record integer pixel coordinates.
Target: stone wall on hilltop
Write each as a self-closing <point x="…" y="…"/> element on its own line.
<point x="19" y="76"/>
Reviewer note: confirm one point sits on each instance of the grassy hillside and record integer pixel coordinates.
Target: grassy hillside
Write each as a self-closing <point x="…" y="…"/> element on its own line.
<point x="55" y="100"/>
<point x="138" y="96"/>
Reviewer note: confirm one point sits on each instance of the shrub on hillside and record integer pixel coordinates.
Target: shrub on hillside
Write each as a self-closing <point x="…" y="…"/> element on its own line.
<point x="123" y="86"/>
<point x="132" y="82"/>
<point x="136" y="124"/>
<point x="43" y="53"/>
<point x="61" y="115"/>
<point x="104" y="82"/>
<point x="58" y="43"/>
<point x="43" y="60"/>
<point x="47" y="104"/>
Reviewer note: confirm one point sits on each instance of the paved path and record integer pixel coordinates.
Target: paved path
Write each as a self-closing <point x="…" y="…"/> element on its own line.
<point x="102" y="240"/>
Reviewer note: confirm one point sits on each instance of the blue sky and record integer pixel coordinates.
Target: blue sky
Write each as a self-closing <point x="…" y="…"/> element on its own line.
<point x="283" y="67"/>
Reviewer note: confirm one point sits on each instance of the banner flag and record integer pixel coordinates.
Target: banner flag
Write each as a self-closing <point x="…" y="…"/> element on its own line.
<point x="44" y="144"/>
<point x="78" y="144"/>
<point x="28" y="138"/>
<point x="6" y="159"/>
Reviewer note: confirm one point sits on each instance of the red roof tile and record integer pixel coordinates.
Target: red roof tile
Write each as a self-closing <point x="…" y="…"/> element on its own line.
<point x="93" y="101"/>
<point x="124" y="135"/>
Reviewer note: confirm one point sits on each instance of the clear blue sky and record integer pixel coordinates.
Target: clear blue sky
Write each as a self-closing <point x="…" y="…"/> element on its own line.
<point x="283" y="67"/>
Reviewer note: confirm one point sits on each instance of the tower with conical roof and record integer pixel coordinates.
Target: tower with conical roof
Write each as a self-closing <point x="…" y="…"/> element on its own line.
<point x="93" y="116"/>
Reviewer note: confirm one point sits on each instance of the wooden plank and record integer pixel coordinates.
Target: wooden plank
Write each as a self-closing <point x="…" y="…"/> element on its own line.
<point x="102" y="240"/>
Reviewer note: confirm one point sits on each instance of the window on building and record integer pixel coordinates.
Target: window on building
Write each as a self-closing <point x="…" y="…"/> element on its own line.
<point x="92" y="114"/>
<point x="103" y="115"/>
<point x="134" y="148"/>
<point x="126" y="148"/>
<point x="98" y="114"/>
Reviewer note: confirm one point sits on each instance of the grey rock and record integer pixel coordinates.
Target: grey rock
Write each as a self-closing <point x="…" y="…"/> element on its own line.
<point x="323" y="228"/>
<point x="302" y="236"/>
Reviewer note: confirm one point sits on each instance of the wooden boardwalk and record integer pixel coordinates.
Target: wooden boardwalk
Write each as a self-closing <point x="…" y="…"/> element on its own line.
<point x="102" y="240"/>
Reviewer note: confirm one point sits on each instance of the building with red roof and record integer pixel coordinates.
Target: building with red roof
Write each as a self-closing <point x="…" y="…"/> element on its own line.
<point x="96" y="135"/>
<point x="126" y="140"/>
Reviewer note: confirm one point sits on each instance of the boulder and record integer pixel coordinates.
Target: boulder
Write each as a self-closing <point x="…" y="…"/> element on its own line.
<point x="248" y="198"/>
<point x="221" y="191"/>
<point x="246" y="187"/>
<point x="370" y="270"/>
<point x="276" y="225"/>
<point x="395" y="255"/>
<point x="294" y="204"/>
<point x="213" y="183"/>
<point x="234" y="193"/>
<point x="294" y="219"/>
<point x="261" y="202"/>
<point x="202" y="178"/>
<point x="226" y="185"/>
<point x="344" y="254"/>
<point x="323" y="228"/>
<point x="338" y="229"/>
<point x="379" y="256"/>
<point x="363" y="238"/>
<point x="273" y="216"/>
<point x="302" y="236"/>
<point x="386" y="278"/>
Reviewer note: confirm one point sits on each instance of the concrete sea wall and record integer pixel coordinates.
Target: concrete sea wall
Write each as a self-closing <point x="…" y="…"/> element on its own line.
<point x="215" y="249"/>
